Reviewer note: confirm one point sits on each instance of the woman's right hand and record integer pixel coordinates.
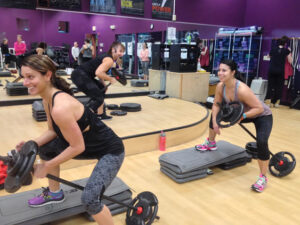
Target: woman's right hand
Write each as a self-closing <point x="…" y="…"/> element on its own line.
<point x="19" y="145"/>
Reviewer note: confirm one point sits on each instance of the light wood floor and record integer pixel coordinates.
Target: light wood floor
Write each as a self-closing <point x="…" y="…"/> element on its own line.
<point x="224" y="198"/>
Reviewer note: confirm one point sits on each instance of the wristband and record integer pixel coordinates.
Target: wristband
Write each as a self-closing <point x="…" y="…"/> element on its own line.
<point x="244" y="116"/>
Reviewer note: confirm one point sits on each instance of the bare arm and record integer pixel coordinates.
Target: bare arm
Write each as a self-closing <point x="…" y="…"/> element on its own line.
<point x="106" y="64"/>
<point x="218" y="99"/>
<point x="247" y="96"/>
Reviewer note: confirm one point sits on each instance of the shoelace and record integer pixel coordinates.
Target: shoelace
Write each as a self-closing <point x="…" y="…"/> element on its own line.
<point x="45" y="192"/>
<point x="261" y="181"/>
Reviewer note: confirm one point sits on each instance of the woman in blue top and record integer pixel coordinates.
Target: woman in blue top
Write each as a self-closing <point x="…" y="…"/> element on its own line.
<point x="231" y="89"/>
<point x="74" y="131"/>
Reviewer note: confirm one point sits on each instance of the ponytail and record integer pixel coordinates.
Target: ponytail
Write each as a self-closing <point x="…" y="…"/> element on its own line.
<point x="61" y="84"/>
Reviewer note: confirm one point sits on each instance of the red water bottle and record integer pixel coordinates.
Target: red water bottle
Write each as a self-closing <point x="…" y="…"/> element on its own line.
<point x="162" y="141"/>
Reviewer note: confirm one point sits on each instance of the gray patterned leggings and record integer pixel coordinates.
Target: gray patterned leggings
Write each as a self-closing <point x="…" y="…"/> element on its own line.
<point x="103" y="174"/>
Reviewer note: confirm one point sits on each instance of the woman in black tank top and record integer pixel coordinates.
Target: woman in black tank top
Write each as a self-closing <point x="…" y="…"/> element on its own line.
<point x="230" y="89"/>
<point x="84" y="77"/>
<point x="74" y="131"/>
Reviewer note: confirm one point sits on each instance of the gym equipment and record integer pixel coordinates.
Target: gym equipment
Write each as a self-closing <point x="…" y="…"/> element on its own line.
<point x="183" y="58"/>
<point x="281" y="163"/>
<point x="139" y="83"/>
<point x="159" y="96"/>
<point x="5" y="73"/>
<point x="17" y="212"/>
<point x="112" y="106"/>
<point x="119" y="76"/>
<point x="160" y="56"/>
<point x="131" y="107"/>
<point x="20" y="164"/>
<point x="38" y="111"/>
<point x="259" y="88"/>
<point x="188" y="164"/>
<point x="16" y="89"/>
<point x="118" y="113"/>
<point x="229" y="114"/>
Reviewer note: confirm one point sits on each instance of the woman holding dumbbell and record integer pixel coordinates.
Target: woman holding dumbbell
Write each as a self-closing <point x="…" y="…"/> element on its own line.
<point x="84" y="77"/>
<point x="74" y="131"/>
<point x="229" y="89"/>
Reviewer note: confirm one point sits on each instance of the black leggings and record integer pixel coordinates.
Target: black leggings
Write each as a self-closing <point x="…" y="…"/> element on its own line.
<point x="263" y="126"/>
<point x="91" y="87"/>
<point x="275" y="87"/>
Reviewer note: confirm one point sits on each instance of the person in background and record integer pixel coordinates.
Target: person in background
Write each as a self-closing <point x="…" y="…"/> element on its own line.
<point x="75" y="54"/>
<point x="278" y="57"/>
<point x="90" y="76"/>
<point x="203" y="54"/>
<point x="144" y="57"/>
<point x="20" y="49"/>
<point x="5" y="53"/>
<point x="87" y="51"/>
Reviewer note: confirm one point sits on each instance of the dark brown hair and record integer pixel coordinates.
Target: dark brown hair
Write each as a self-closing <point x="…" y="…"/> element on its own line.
<point x="115" y="44"/>
<point x="43" y="64"/>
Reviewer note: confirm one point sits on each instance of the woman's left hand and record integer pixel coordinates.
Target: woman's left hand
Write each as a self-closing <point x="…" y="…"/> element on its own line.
<point x="40" y="170"/>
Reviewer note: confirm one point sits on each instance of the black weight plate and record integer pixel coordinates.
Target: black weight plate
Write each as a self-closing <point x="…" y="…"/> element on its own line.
<point x="12" y="170"/>
<point x="288" y="164"/>
<point x="28" y="153"/>
<point x="229" y="114"/>
<point x="149" y="204"/>
<point x="119" y="76"/>
<point x="131" y="107"/>
<point x="251" y="148"/>
<point x="112" y="106"/>
<point x="118" y="113"/>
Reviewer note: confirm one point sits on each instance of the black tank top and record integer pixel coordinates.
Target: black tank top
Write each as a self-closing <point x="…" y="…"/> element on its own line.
<point x="91" y="66"/>
<point x="83" y="122"/>
<point x="99" y="139"/>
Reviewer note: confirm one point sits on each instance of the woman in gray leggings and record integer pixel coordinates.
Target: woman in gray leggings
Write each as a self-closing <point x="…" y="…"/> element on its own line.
<point x="74" y="131"/>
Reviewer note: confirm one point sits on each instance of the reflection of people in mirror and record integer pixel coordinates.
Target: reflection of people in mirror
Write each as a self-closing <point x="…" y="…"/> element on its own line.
<point x="144" y="57"/>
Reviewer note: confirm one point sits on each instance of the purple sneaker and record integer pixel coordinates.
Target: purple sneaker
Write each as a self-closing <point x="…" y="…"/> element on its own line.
<point x="46" y="198"/>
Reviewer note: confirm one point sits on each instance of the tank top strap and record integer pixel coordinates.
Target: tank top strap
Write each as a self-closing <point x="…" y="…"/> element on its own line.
<point x="236" y="90"/>
<point x="54" y="97"/>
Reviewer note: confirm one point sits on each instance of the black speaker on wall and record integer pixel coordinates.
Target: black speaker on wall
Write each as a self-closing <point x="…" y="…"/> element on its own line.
<point x="156" y="56"/>
<point x="183" y="58"/>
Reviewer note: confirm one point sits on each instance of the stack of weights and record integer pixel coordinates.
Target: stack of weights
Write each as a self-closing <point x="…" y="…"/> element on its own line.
<point x="3" y="174"/>
<point x="38" y="111"/>
<point x="16" y="89"/>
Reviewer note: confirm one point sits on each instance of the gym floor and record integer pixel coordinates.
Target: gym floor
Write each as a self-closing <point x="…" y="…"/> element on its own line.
<point x="221" y="199"/>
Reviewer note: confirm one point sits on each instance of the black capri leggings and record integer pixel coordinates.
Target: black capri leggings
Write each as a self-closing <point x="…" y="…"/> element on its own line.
<point x="263" y="126"/>
<point x="91" y="87"/>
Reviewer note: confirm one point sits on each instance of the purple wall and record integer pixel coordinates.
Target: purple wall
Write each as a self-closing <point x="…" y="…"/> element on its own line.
<point x="277" y="17"/>
<point x="43" y="23"/>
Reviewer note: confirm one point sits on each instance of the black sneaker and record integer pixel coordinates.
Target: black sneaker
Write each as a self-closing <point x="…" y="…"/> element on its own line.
<point x="104" y="117"/>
